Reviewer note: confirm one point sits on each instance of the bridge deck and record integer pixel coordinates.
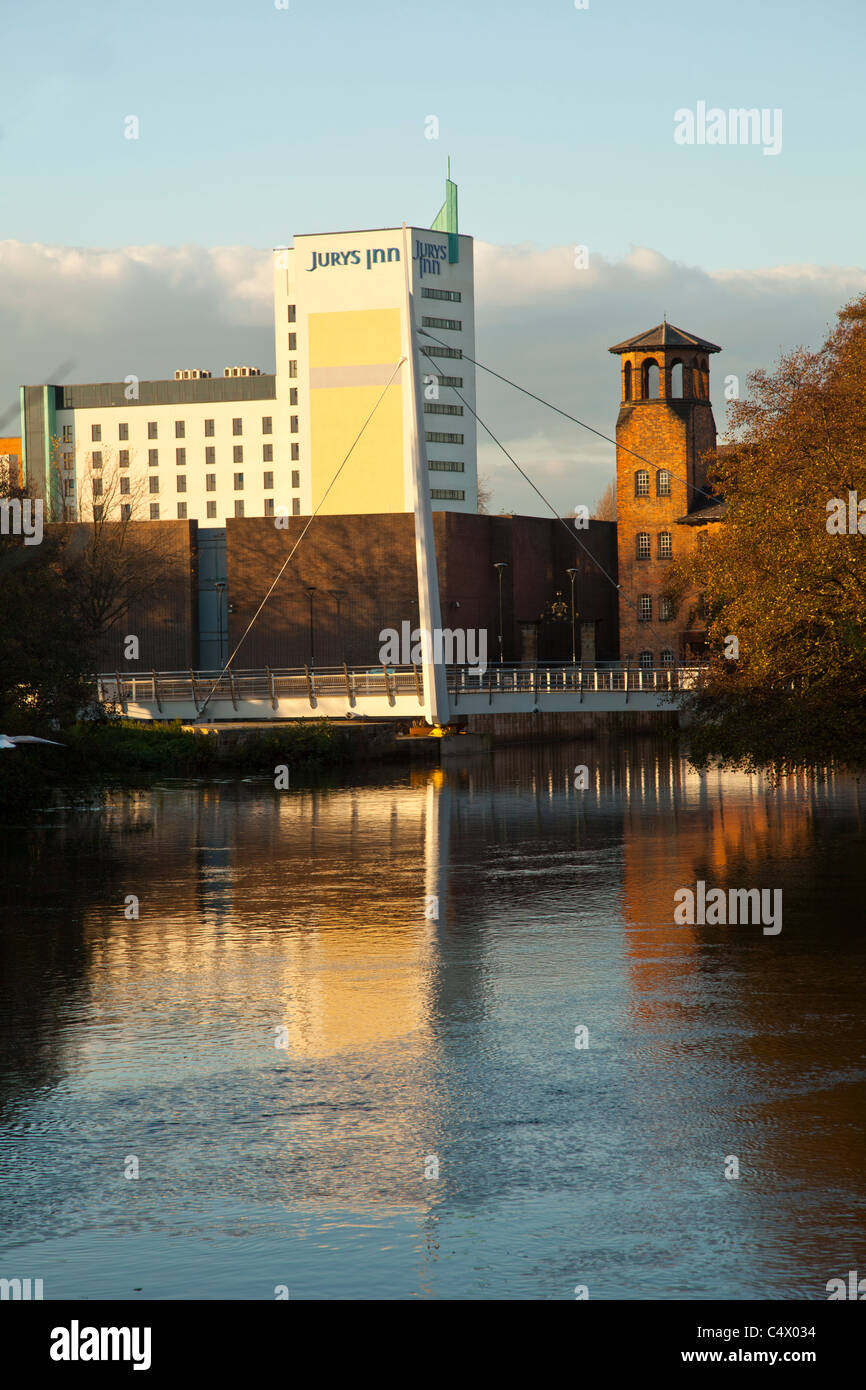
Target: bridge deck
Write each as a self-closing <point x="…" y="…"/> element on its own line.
<point x="392" y="692"/>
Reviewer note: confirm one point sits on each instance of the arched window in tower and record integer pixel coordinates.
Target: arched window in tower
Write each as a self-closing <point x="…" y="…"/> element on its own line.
<point x="702" y="379"/>
<point x="650" y="379"/>
<point x="641" y="483"/>
<point x="677" y="380"/>
<point x="626" y="382"/>
<point x="663" y="483"/>
<point x="665" y="545"/>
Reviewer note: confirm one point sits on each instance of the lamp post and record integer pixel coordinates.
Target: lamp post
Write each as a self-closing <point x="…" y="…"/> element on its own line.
<point x="219" y="589"/>
<point x="572" y="574"/>
<point x="338" y="595"/>
<point x="499" y="566"/>
<point x="309" y="591"/>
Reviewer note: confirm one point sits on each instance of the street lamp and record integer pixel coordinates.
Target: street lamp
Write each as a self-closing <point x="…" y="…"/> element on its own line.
<point x="338" y="595"/>
<point x="572" y="574"/>
<point x="499" y="566"/>
<point x="219" y="586"/>
<point x="309" y="591"/>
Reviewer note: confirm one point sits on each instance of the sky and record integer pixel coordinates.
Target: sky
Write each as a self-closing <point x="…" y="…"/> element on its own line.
<point x="255" y="123"/>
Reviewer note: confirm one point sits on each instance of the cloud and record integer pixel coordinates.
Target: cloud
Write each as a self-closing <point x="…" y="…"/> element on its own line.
<point x="540" y="320"/>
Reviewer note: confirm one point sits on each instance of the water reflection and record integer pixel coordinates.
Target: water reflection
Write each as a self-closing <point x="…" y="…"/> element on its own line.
<point x="328" y="987"/>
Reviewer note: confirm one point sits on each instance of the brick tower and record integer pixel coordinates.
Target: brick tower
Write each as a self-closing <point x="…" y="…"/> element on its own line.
<point x="666" y="418"/>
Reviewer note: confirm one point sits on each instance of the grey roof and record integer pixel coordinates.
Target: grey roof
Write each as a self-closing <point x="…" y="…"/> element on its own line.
<point x="713" y="511"/>
<point x="664" y="335"/>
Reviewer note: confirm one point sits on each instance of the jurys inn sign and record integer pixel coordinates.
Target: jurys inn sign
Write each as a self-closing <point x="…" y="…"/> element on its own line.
<point x="428" y="254"/>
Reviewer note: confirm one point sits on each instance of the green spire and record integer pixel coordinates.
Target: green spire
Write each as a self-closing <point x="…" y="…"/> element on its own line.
<point x="446" y="218"/>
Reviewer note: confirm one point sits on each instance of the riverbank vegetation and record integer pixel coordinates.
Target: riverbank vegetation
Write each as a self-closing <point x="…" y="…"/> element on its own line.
<point x="784" y="576"/>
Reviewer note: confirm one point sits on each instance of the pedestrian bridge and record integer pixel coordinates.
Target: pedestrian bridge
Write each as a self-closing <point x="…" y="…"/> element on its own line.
<point x="393" y="692"/>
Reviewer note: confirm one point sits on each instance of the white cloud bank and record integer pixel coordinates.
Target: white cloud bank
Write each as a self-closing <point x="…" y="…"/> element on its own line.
<point x="539" y="319"/>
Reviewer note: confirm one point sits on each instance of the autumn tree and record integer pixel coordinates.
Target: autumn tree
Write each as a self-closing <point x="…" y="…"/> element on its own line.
<point x="605" y="507"/>
<point x="784" y="576"/>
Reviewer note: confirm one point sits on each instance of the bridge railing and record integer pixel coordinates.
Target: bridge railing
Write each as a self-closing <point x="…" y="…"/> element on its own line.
<point x="311" y="683"/>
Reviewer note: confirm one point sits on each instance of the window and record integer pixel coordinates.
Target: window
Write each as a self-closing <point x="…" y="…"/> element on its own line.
<point x="643" y="549"/>
<point x="151" y="429"/>
<point x="626" y="382"/>
<point x="237" y="426"/>
<point x="293" y="367"/>
<point x="211" y="510"/>
<point x="210" y="482"/>
<point x="124" y="485"/>
<point x="296" y="453"/>
<point x="96" y="459"/>
<point x="292" y="313"/>
<point x="666" y="609"/>
<point x="645" y="608"/>
<point x="96" y="434"/>
<point x="98" y="512"/>
<point x="641" y="483"/>
<point x="97" y="487"/>
<point x="154" y="483"/>
<point x="663" y="483"/>
<point x="208" y="429"/>
<point x="268" y="482"/>
<point x="152" y="458"/>
<point x="293" y="424"/>
<point x="209" y="455"/>
<point x="436" y="437"/>
<point x="125" y="511"/>
<point x="450" y="381"/>
<point x="293" y="342"/>
<point x="239" y="482"/>
<point x="181" y="482"/>
<point x="267" y="453"/>
<point x="181" y="511"/>
<point x="665" y="551"/>
<point x="293" y="395"/>
<point x="442" y="352"/>
<point x="296" y="506"/>
<point x="667" y="657"/>
<point x="269" y="506"/>
<point x="239" y="507"/>
<point x="443" y="409"/>
<point x="67" y="434"/>
<point x="453" y="295"/>
<point x="445" y="465"/>
<point x="180" y="457"/>
<point x="454" y="325"/>
<point x="448" y="494"/>
<point x="267" y="424"/>
<point x="123" y="431"/>
<point x="646" y="661"/>
<point x="69" y="487"/>
<point x="238" y="453"/>
<point x="296" y="477"/>
<point x="676" y="379"/>
<point x="180" y="429"/>
<point x="123" y="458"/>
<point x="650" y="379"/>
<point x="154" y="511"/>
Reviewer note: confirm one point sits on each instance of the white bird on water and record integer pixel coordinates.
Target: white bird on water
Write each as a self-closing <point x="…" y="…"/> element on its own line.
<point x="13" y="740"/>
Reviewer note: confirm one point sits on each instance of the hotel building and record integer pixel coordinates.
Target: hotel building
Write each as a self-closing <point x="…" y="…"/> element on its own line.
<point x="207" y="448"/>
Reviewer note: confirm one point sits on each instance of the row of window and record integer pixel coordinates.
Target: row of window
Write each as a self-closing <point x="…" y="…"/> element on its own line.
<point x="430" y="409"/>
<point x="442" y="352"/>
<point x="448" y="494"/>
<point x="179" y="427"/>
<point x="453" y="295"/>
<point x="126" y="510"/>
<point x="645" y="659"/>
<point x="445" y="465"/>
<point x="180" y="482"/>
<point x="180" y="456"/>
<point x="643" y="545"/>
<point x="437" y="437"/>
<point x="642" y="483"/>
<point x="453" y="325"/>
<point x="645" y="609"/>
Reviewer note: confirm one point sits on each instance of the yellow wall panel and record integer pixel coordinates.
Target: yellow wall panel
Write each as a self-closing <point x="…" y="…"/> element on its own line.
<point x="372" y="480"/>
<point x="355" y="337"/>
